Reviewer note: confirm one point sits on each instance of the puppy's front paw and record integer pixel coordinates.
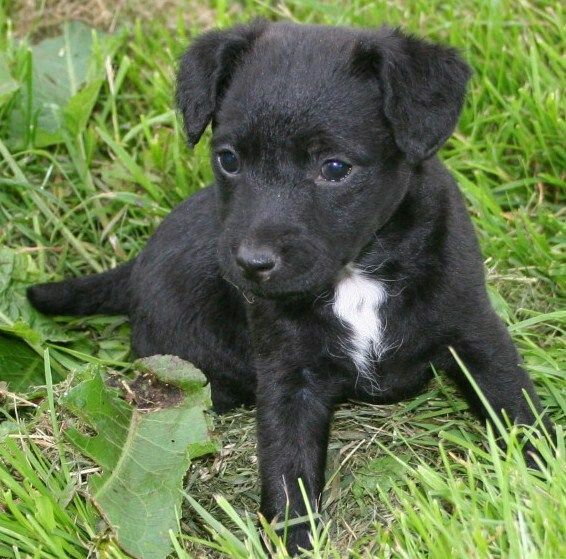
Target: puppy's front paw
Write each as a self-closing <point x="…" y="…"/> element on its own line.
<point x="533" y="458"/>
<point x="298" y="537"/>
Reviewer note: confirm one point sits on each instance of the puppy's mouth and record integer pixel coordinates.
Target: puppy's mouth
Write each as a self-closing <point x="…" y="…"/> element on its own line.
<point x="279" y="286"/>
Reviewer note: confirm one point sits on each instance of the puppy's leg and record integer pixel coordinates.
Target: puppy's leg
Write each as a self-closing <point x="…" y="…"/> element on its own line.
<point x="294" y="411"/>
<point x="492" y="359"/>
<point x="232" y="389"/>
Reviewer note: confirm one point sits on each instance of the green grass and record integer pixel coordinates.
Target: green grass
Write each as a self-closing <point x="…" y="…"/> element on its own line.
<point x="419" y="479"/>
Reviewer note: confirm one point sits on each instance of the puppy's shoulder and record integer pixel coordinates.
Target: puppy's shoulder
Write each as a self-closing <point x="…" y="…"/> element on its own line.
<point x="191" y="219"/>
<point x="185" y="240"/>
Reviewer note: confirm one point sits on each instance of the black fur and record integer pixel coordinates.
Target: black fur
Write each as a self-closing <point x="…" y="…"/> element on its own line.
<point x="286" y="98"/>
<point x="106" y="293"/>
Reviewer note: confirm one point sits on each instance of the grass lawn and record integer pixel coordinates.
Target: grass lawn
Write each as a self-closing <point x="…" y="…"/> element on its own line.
<point x="82" y="187"/>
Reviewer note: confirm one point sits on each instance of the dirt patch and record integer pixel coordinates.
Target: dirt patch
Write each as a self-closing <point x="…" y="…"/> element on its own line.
<point x="147" y="393"/>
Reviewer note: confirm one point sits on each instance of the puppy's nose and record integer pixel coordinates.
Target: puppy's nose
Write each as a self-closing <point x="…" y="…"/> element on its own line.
<point x="257" y="263"/>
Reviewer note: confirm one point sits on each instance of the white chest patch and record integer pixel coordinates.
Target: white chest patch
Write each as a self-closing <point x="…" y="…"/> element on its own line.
<point x="357" y="300"/>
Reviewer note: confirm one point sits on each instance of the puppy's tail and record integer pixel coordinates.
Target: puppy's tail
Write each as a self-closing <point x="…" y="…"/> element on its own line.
<point x="106" y="293"/>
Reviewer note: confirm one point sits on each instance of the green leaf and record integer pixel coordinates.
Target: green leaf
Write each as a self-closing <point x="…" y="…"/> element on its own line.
<point x="20" y="366"/>
<point x="17" y="316"/>
<point x="22" y="329"/>
<point x="145" y="449"/>
<point x="384" y="473"/>
<point x="67" y="72"/>
<point x="103" y="409"/>
<point x="8" y="86"/>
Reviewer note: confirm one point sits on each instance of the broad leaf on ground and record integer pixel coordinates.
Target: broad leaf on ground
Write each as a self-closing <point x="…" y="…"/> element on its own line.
<point x="17" y="316"/>
<point x="146" y="434"/>
<point x="67" y="73"/>
<point x="21" y="365"/>
<point x="8" y="86"/>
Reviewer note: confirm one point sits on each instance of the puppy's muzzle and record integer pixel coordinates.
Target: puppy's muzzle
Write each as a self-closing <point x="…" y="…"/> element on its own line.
<point x="257" y="263"/>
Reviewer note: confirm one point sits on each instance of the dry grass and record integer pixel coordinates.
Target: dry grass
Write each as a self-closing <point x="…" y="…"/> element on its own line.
<point x="41" y="18"/>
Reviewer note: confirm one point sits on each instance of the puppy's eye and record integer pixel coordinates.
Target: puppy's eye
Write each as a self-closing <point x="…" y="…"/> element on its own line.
<point x="335" y="170"/>
<point x="229" y="161"/>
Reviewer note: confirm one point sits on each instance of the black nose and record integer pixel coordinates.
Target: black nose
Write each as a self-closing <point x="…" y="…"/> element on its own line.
<point x="256" y="263"/>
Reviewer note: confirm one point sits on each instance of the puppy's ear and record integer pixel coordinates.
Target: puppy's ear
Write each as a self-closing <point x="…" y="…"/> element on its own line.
<point x="205" y="71"/>
<point x="423" y="87"/>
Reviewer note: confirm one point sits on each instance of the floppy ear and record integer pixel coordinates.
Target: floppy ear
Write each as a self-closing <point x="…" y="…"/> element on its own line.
<point x="423" y="86"/>
<point x="205" y="71"/>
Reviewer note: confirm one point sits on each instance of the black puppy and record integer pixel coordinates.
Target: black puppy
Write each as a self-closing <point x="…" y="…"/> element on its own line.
<point x="333" y="258"/>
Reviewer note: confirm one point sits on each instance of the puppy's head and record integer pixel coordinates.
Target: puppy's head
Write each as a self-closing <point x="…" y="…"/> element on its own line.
<point x="315" y="133"/>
